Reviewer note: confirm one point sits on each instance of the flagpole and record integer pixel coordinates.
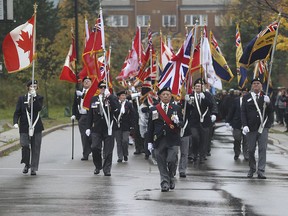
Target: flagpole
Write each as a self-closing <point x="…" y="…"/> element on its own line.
<point x="33" y="68"/>
<point x="272" y="53"/>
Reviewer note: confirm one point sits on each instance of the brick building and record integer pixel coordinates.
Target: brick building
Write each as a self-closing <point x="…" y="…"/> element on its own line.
<point x="168" y="15"/>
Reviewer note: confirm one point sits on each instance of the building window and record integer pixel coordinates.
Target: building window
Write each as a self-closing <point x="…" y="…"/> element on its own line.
<point x="117" y="21"/>
<point x="190" y="20"/>
<point x="221" y="20"/>
<point x="143" y="20"/>
<point x="169" y="20"/>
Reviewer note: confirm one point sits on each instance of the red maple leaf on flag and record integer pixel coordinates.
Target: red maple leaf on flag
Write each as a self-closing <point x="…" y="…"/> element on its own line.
<point x="25" y="42"/>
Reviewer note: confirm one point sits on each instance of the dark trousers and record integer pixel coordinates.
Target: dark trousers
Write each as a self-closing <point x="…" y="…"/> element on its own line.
<point x="122" y="139"/>
<point x="200" y="139"/>
<point x="86" y="141"/>
<point x="167" y="159"/>
<point x="96" y="147"/>
<point x="35" y="143"/>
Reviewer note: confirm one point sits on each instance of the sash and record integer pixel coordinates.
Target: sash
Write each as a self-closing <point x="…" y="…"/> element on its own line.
<point x="262" y="121"/>
<point x="165" y="116"/>
<point x="199" y="110"/>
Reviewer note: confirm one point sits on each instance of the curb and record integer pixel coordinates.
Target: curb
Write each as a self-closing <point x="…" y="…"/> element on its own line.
<point x="16" y="144"/>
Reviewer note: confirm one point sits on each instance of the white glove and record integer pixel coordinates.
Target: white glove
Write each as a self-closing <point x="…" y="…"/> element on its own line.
<point x="88" y="132"/>
<point x="266" y="99"/>
<point x="175" y="119"/>
<point x="16" y="126"/>
<point x="73" y="117"/>
<point x="202" y="95"/>
<point x="150" y="147"/>
<point x="245" y="130"/>
<point x="229" y="128"/>
<point x="187" y="97"/>
<point x="106" y="93"/>
<point x="79" y="93"/>
<point x="213" y="118"/>
<point x="32" y="91"/>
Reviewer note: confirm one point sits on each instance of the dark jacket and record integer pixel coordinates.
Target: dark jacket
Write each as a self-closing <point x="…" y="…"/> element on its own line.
<point x="250" y="116"/>
<point x="76" y="105"/>
<point x="157" y="127"/>
<point x="234" y="115"/>
<point x="127" y="119"/>
<point x="20" y="113"/>
<point x="95" y="121"/>
<point x="205" y="104"/>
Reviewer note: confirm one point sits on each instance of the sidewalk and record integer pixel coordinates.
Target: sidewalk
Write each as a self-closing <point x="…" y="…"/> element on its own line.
<point x="9" y="139"/>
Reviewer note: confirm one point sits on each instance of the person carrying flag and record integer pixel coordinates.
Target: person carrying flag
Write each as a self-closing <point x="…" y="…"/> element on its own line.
<point x="99" y="121"/>
<point x="30" y="132"/>
<point x="79" y="113"/>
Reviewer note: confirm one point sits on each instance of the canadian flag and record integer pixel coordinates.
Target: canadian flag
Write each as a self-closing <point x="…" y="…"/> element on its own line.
<point x="67" y="72"/>
<point x="18" y="47"/>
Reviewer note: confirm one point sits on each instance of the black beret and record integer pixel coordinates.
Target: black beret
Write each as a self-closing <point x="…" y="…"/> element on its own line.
<point x="30" y="83"/>
<point x="121" y="92"/>
<point x="145" y="90"/>
<point x="102" y="84"/>
<point x="164" y="89"/>
<point x="256" y="79"/>
<point x="199" y="81"/>
<point x="87" y="77"/>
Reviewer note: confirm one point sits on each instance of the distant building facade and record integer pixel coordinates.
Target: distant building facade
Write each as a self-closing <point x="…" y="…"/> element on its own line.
<point x="168" y="15"/>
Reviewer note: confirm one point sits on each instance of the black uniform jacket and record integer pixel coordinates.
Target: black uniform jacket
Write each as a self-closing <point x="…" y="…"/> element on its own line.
<point x="250" y="116"/>
<point x="97" y="122"/>
<point x="234" y="114"/>
<point x="20" y="113"/>
<point x="127" y="119"/>
<point x="205" y="104"/>
<point x="157" y="127"/>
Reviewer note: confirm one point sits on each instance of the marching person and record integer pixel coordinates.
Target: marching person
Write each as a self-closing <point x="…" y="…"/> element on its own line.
<point x="257" y="118"/>
<point x="124" y="119"/>
<point x="163" y="135"/>
<point x="99" y="126"/>
<point x="80" y="113"/>
<point x="200" y="120"/>
<point x="30" y="132"/>
<point x="234" y="120"/>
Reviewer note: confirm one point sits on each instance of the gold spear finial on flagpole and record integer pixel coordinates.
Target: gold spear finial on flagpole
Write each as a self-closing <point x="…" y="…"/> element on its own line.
<point x="35" y="8"/>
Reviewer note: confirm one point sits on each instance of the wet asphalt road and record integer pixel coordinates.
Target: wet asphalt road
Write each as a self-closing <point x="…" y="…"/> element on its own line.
<point x="69" y="187"/>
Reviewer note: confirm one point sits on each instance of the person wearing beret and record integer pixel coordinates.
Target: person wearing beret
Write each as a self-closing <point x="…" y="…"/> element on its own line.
<point x="257" y="117"/>
<point x="200" y="119"/>
<point x="233" y="121"/>
<point x="30" y="131"/>
<point x="99" y="126"/>
<point x="124" y="118"/>
<point x="163" y="137"/>
<point x="80" y="113"/>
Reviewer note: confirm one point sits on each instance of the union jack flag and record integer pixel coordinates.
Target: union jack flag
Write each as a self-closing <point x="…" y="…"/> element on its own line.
<point x="176" y="69"/>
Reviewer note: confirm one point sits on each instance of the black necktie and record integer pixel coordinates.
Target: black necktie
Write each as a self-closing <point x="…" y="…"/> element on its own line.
<point x="257" y="98"/>
<point x="165" y="108"/>
<point x="84" y="92"/>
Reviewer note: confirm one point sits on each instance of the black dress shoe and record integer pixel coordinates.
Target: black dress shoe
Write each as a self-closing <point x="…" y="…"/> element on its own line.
<point x="137" y="152"/>
<point x="172" y="185"/>
<point x="33" y="173"/>
<point x="96" y="171"/>
<point x="261" y="176"/>
<point x="107" y="174"/>
<point x="26" y="168"/>
<point x="119" y="160"/>
<point x="84" y="158"/>
<point x="164" y="187"/>
<point x="182" y="175"/>
<point x="125" y="158"/>
<point x="250" y="174"/>
<point x="236" y="157"/>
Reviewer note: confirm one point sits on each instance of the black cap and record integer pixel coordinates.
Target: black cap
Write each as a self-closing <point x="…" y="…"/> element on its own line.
<point x="121" y="92"/>
<point x="145" y="90"/>
<point x="102" y="84"/>
<point x="256" y="79"/>
<point x="87" y="77"/>
<point x="164" y="89"/>
<point x="199" y="81"/>
<point x="30" y="83"/>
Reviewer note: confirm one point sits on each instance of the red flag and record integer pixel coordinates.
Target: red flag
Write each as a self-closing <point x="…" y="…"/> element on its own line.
<point x="18" y="47"/>
<point x="67" y="72"/>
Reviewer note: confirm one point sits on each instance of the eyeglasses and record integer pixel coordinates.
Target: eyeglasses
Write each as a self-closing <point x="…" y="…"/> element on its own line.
<point x="101" y="87"/>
